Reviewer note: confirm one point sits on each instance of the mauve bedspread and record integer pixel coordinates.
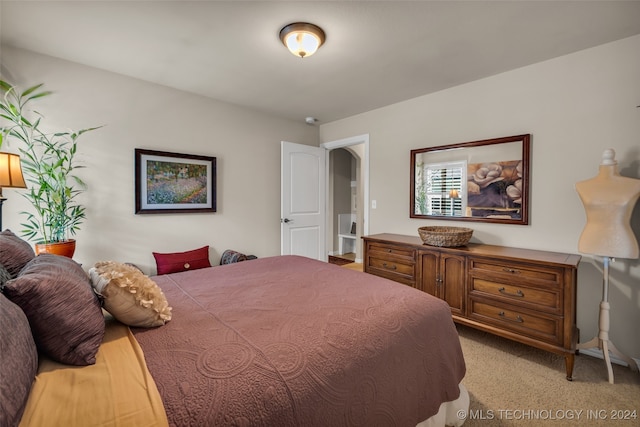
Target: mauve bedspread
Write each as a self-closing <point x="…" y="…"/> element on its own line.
<point x="290" y="341"/>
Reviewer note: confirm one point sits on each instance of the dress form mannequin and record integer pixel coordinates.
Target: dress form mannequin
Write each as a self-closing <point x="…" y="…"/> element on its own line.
<point x="608" y="199"/>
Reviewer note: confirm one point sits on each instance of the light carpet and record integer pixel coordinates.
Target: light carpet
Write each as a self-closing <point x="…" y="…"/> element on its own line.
<point x="511" y="384"/>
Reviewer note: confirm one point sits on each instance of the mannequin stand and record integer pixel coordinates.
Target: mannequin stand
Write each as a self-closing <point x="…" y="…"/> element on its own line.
<point x="601" y="341"/>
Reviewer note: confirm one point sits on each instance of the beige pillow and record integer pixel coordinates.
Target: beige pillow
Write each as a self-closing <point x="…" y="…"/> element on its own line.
<point x="130" y="296"/>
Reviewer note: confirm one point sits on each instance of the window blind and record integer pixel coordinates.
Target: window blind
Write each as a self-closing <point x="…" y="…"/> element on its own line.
<point x="438" y="181"/>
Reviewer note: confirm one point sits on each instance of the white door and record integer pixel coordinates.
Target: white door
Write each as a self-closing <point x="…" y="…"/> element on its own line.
<point x="303" y="201"/>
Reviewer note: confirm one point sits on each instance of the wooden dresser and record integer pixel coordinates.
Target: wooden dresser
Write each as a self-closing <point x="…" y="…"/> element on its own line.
<point x="525" y="295"/>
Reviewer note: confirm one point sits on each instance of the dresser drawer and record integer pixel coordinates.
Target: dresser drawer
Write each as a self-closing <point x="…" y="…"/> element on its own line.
<point x="544" y="299"/>
<point x="533" y="324"/>
<point x="380" y="250"/>
<point x="403" y="272"/>
<point x="516" y="273"/>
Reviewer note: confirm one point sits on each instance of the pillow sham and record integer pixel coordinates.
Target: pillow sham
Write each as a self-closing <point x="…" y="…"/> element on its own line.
<point x="5" y="276"/>
<point x="230" y="257"/>
<point x="19" y="363"/>
<point x="130" y="296"/>
<point x="182" y="261"/>
<point x="15" y="253"/>
<point x="66" y="319"/>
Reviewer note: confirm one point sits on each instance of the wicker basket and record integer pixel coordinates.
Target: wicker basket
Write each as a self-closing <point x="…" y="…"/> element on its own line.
<point x="445" y="236"/>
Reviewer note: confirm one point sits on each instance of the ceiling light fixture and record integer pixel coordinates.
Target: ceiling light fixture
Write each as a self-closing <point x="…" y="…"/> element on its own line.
<point x="302" y="39"/>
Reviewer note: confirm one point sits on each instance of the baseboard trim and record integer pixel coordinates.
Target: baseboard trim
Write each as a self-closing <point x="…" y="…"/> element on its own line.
<point x="593" y="352"/>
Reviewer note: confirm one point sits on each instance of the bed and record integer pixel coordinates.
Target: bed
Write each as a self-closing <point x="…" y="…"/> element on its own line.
<point x="285" y="341"/>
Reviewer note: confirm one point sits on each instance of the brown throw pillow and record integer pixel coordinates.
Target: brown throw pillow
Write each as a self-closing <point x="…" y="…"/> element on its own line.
<point x="15" y="253"/>
<point x="19" y="363"/>
<point x="5" y="276"/>
<point x="65" y="315"/>
<point x="130" y="296"/>
<point x="182" y="261"/>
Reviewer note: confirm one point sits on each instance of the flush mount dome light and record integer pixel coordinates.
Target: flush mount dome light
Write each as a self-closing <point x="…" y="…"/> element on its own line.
<point x="301" y="38"/>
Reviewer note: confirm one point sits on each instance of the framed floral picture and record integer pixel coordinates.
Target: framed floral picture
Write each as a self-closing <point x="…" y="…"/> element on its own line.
<point x="174" y="183"/>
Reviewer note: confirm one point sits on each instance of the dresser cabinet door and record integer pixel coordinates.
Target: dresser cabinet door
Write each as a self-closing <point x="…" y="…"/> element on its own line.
<point x="444" y="275"/>
<point x="453" y="276"/>
<point x="431" y="272"/>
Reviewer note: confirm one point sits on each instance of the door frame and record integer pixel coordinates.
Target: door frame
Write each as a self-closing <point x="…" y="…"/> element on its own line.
<point x="342" y="143"/>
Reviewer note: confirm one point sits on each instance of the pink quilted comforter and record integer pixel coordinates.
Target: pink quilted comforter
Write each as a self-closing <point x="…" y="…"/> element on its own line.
<point x="290" y="341"/>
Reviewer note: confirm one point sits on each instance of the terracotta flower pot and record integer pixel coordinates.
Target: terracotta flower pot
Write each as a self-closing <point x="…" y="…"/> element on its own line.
<point x="66" y="248"/>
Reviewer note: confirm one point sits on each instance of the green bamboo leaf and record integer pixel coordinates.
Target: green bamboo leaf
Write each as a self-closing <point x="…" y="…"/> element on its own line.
<point x="32" y="89"/>
<point x="6" y="108"/>
<point x="5" y="86"/>
<point x="39" y="95"/>
<point x="80" y="132"/>
<point x="19" y="136"/>
<point x="26" y="122"/>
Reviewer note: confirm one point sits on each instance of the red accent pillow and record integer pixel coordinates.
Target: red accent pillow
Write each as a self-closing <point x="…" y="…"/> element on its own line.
<point x="182" y="261"/>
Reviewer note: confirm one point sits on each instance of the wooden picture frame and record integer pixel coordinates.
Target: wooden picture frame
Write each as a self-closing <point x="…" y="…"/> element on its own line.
<point x="174" y="183"/>
<point x="482" y="181"/>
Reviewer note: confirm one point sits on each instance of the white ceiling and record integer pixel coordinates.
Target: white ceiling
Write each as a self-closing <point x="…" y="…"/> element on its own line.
<point x="377" y="52"/>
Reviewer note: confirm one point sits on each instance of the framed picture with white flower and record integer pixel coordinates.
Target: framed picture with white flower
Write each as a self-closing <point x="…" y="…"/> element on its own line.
<point x="486" y="180"/>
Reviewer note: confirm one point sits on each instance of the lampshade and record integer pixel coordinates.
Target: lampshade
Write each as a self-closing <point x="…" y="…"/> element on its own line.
<point x="454" y="194"/>
<point x="302" y="38"/>
<point x="10" y="171"/>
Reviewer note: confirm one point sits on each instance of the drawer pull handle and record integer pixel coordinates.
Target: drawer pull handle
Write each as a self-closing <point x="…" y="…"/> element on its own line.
<point x="389" y="250"/>
<point x="511" y="270"/>
<point x="518" y="293"/>
<point x="392" y="267"/>
<point x="518" y="319"/>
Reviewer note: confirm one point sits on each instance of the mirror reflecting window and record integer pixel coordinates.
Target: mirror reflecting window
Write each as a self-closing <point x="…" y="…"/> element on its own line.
<point x="484" y="180"/>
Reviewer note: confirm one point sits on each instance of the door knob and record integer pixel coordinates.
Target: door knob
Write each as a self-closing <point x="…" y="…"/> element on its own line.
<point x="286" y="220"/>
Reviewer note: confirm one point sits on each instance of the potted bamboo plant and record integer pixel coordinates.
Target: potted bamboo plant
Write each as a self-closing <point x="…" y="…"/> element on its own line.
<point x="49" y="164"/>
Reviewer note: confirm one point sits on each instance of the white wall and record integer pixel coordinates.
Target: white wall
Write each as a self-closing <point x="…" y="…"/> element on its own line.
<point x="574" y="106"/>
<point x="136" y="114"/>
